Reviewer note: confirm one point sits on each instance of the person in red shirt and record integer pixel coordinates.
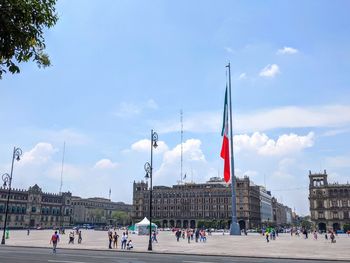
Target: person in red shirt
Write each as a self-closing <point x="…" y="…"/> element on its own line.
<point x="54" y="240"/>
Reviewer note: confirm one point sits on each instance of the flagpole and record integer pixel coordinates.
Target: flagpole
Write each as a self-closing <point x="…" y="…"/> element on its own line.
<point x="234" y="229"/>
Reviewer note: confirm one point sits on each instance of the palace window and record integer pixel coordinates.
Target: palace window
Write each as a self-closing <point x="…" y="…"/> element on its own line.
<point x="320" y="215"/>
<point x="335" y="214"/>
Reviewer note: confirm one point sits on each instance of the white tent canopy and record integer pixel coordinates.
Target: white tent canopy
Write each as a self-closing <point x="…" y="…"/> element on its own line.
<point x="142" y="227"/>
<point x="143" y="222"/>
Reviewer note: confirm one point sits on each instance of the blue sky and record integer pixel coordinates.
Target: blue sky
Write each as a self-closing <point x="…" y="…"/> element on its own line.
<point x="121" y="68"/>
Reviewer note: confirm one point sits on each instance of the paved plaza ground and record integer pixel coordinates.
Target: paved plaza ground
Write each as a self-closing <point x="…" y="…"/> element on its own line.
<point x="253" y="245"/>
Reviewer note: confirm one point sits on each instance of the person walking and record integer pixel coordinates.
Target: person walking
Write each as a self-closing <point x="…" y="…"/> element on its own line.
<point x="267" y="237"/>
<point x="197" y="235"/>
<point x="115" y="240"/>
<point x="188" y="232"/>
<point x="54" y="240"/>
<point x="110" y="239"/>
<point x="273" y="234"/>
<point x="124" y="239"/>
<point x="178" y="235"/>
<point x="201" y="238"/>
<point x="315" y="235"/>
<point x="71" y="238"/>
<point x="332" y="236"/>
<point x="79" y="237"/>
<point x="204" y="236"/>
<point x="154" y="237"/>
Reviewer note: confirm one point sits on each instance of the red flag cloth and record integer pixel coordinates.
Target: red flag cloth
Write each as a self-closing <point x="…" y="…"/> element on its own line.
<point x="225" y="151"/>
<point x="225" y="154"/>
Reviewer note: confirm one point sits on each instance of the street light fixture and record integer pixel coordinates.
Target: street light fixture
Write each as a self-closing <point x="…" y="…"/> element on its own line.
<point x="7" y="179"/>
<point x="148" y="169"/>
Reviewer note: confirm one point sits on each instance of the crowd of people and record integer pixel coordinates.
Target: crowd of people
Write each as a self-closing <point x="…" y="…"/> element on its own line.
<point x="125" y="242"/>
<point x="191" y="234"/>
<point x="271" y="233"/>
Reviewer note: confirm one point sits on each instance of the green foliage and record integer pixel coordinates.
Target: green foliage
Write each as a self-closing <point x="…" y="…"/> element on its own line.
<point x="346" y="227"/>
<point x="305" y="223"/>
<point x="22" y="23"/>
<point x="156" y="222"/>
<point x="213" y="224"/>
<point x="97" y="213"/>
<point x="121" y="217"/>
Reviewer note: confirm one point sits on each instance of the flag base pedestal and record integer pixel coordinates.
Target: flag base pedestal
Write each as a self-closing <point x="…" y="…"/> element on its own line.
<point x="235" y="229"/>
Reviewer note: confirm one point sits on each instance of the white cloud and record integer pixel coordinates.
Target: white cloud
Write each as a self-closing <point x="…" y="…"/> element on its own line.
<point x="296" y="117"/>
<point x="334" y="132"/>
<point x="287" y="50"/>
<point x="270" y="71"/>
<point x="191" y="148"/>
<point x="105" y="164"/>
<point x="193" y="161"/>
<point x="263" y="120"/>
<point x="41" y="153"/>
<point x="242" y="76"/>
<point x="144" y="145"/>
<point x="263" y="145"/>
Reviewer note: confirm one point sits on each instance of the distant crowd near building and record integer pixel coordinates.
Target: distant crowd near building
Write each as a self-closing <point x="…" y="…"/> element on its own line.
<point x="329" y="202"/>
<point x="197" y="204"/>
<point x="34" y="208"/>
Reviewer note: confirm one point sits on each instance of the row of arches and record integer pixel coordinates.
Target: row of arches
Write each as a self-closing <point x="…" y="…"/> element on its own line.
<point x="323" y="227"/>
<point x="179" y="223"/>
<point x="191" y="224"/>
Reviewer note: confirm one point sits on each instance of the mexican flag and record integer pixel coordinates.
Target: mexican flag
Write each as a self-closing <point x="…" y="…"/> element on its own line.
<point x="225" y="151"/>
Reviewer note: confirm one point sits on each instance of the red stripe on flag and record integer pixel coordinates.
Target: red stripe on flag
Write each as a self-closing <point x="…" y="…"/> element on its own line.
<point x="225" y="154"/>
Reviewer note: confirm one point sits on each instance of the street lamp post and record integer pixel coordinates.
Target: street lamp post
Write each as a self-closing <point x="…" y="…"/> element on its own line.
<point x="149" y="168"/>
<point x="7" y="178"/>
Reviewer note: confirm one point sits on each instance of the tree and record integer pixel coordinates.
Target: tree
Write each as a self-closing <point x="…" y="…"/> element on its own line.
<point x="306" y="223"/>
<point x="96" y="215"/>
<point x="121" y="217"/>
<point x="22" y="23"/>
<point x="346" y="227"/>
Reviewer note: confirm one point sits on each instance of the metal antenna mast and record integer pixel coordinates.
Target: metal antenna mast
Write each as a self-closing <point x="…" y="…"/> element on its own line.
<point x="182" y="134"/>
<point x="64" y="151"/>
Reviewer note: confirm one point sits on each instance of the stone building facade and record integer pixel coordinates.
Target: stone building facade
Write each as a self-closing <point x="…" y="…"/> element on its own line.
<point x="96" y="210"/>
<point x="329" y="202"/>
<point x="282" y="215"/>
<point x="187" y="204"/>
<point x="34" y="208"/>
<point x="265" y="205"/>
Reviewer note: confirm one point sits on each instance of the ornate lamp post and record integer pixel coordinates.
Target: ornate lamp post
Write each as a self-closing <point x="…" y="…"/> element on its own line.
<point x="7" y="178"/>
<point x="148" y="168"/>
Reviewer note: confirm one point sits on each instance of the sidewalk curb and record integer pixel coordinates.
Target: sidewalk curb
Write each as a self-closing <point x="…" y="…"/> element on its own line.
<point x="180" y="253"/>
